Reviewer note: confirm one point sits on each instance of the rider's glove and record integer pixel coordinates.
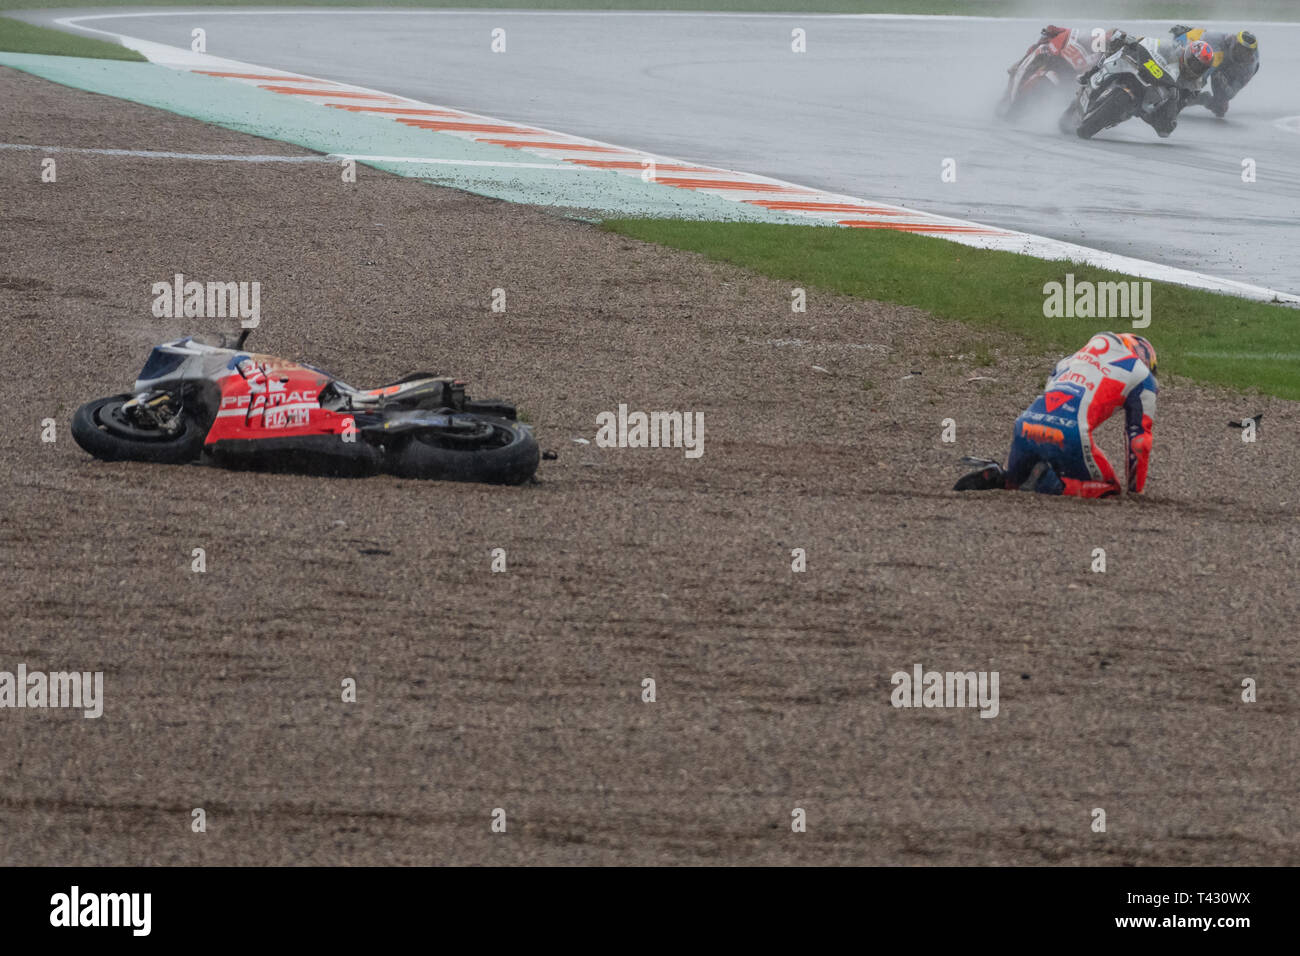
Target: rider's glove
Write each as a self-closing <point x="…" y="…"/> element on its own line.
<point x="1179" y="29"/>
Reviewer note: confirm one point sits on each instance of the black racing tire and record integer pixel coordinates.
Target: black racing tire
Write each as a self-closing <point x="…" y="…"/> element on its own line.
<point x="99" y="429"/>
<point x="1116" y="106"/>
<point x="505" y="454"/>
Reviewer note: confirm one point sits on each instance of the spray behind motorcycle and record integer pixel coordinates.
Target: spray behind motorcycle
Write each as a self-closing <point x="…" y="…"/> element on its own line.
<point x="1045" y="76"/>
<point x="199" y="399"/>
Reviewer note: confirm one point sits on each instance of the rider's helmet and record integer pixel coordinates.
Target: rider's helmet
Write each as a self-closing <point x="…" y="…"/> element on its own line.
<point x="1198" y="56"/>
<point x="1143" y="349"/>
<point x="1243" y="47"/>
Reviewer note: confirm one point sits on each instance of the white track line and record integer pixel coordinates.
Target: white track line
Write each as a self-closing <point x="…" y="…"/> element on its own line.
<point x="251" y="158"/>
<point x="159" y="154"/>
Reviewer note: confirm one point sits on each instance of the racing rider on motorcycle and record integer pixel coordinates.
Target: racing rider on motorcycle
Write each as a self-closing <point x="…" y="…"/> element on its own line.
<point x="1236" y="61"/>
<point x="1187" y="65"/>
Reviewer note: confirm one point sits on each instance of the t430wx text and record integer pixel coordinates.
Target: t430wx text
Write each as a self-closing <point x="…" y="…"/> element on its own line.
<point x="1164" y="899"/>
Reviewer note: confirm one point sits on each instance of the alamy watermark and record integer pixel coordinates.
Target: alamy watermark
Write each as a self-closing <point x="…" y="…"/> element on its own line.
<point x="1098" y="300"/>
<point x="923" y="688"/>
<point x="208" y="300"/>
<point x="624" y="429"/>
<point x="76" y="908"/>
<point x="80" y="689"/>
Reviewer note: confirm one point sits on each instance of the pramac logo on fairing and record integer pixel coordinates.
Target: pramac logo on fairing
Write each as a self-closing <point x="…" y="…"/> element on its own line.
<point x="258" y="402"/>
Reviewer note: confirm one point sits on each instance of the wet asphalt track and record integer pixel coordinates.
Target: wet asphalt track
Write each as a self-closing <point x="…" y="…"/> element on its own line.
<point x="871" y="109"/>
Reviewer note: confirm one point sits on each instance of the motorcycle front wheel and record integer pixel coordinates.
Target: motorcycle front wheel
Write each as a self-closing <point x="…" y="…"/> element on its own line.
<point x="101" y="428"/>
<point x="1117" y="104"/>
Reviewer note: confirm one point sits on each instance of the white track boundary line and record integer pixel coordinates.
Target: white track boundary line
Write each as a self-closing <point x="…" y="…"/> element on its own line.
<point x="161" y="154"/>
<point x="269" y="158"/>
<point x="982" y="236"/>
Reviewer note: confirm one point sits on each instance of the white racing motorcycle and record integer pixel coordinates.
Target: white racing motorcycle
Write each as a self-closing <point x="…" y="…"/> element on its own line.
<point x="1138" y="79"/>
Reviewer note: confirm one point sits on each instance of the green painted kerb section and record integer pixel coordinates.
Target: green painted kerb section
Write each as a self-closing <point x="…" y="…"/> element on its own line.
<point x="291" y="119"/>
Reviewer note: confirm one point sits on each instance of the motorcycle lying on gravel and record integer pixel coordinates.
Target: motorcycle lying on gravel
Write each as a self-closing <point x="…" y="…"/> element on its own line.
<point x="1046" y="73"/>
<point x="1134" y="80"/>
<point x="194" y="399"/>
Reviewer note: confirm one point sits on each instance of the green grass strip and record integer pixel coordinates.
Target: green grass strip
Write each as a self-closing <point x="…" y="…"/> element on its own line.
<point x="1204" y="336"/>
<point x="19" y="37"/>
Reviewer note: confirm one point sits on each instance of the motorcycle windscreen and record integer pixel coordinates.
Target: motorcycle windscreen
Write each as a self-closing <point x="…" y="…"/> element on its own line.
<point x="159" y="363"/>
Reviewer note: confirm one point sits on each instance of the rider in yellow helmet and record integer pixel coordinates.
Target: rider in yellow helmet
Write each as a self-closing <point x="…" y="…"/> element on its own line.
<point x="1236" y="61"/>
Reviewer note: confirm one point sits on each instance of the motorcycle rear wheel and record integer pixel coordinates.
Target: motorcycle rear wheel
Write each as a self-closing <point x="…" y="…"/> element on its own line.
<point x="101" y="429"/>
<point x="499" y="452"/>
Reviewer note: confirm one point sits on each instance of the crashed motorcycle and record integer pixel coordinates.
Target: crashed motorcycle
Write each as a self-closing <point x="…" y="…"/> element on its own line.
<point x="1047" y="72"/>
<point x="1135" y="80"/>
<point x="203" y="400"/>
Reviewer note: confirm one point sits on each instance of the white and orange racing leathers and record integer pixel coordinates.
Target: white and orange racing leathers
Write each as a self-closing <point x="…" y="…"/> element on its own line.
<point x="1083" y="391"/>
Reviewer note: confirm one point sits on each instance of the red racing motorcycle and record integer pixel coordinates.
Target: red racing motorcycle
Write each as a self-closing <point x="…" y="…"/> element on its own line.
<point x="196" y="400"/>
<point x="1048" y="71"/>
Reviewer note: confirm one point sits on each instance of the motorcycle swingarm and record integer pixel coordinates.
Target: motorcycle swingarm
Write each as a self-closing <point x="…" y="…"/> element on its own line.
<point x="401" y="423"/>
